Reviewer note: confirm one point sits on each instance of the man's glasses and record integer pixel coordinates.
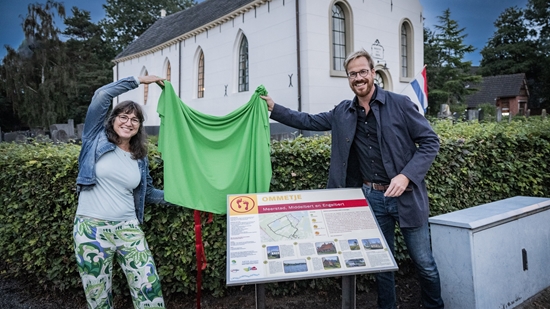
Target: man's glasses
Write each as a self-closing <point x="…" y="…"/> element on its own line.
<point x="124" y="119"/>
<point x="363" y="73"/>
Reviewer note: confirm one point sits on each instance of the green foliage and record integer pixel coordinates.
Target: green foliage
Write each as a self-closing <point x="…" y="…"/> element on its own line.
<point x="489" y="111"/>
<point x="126" y="20"/>
<point x="480" y="163"/>
<point x="511" y="49"/>
<point x="300" y="164"/>
<point x="447" y="72"/>
<point x="36" y="77"/>
<point x="46" y="80"/>
<point x="521" y="44"/>
<point x="458" y="108"/>
<point x="38" y="197"/>
<point x="538" y="14"/>
<point x="90" y="58"/>
<point x="477" y="163"/>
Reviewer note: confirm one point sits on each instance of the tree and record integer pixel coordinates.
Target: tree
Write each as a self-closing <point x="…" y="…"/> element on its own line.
<point x="8" y="120"/>
<point x="90" y="57"/>
<point x="448" y="75"/>
<point x="538" y="15"/>
<point x="126" y="20"/>
<point x="432" y="53"/>
<point x="511" y="49"/>
<point x="35" y="77"/>
<point x="538" y="12"/>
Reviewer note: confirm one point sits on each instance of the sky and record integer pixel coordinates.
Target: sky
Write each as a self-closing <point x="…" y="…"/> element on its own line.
<point x="476" y="16"/>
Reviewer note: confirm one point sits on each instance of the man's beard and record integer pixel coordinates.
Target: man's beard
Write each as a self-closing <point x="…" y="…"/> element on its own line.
<point x="365" y="91"/>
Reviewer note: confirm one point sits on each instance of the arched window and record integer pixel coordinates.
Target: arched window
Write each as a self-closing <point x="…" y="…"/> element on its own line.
<point x="406" y="51"/>
<point x="145" y="90"/>
<point x="341" y="36"/>
<point x="168" y="71"/>
<point x="404" y="61"/>
<point x="243" y="65"/>
<point x="379" y="80"/>
<point x="200" y="76"/>
<point x="382" y="78"/>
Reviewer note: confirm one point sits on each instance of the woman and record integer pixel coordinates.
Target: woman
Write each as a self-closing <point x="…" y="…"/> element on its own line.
<point x="114" y="184"/>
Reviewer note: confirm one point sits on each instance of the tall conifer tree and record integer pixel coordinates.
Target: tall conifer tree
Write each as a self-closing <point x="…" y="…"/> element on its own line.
<point x="448" y="73"/>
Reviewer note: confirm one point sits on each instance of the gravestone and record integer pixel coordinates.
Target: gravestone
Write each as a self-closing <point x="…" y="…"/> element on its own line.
<point x="543" y="114"/>
<point x="456" y="116"/>
<point x="60" y="126"/>
<point x="70" y="128"/>
<point x="69" y="131"/>
<point x="444" y="111"/>
<point x="42" y="138"/>
<point x="36" y="132"/>
<point x="10" y="136"/>
<point x="21" y="138"/>
<point x="17" y="136"/>
<point x="53" y="127"/>
<point x="79" y="129"/>
<point x="499" y="114"/>
<point x="472" y="114"/>
<point x="60" y="136"/>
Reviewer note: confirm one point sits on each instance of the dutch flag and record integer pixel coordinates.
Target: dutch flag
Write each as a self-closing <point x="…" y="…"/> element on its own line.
<point x="420" y="88"/>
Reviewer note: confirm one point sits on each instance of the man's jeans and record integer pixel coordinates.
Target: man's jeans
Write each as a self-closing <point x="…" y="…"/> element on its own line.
<point x="418" y="244"/>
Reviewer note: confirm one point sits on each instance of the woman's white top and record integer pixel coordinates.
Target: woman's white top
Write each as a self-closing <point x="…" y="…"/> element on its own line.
<point x="112" y="197"/>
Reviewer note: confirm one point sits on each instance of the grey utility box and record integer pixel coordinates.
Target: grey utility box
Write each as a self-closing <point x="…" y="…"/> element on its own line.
<point x="495" y="255"/>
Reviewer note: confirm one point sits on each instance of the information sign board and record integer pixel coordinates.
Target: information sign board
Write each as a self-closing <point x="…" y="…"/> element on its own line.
<point x="282" y="236"/>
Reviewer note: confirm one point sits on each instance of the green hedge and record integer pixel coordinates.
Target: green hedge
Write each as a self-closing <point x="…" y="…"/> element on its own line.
<point x="477" y="164"/>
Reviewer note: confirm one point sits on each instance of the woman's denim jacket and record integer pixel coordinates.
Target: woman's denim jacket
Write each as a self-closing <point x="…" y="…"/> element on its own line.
<point x="95" y="144"/>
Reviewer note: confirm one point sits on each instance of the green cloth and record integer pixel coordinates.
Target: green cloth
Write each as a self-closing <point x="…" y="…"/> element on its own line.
<point x="208" y="157"/>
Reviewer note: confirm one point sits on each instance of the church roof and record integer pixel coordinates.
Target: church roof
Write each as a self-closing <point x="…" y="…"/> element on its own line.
<point x="493" y="87"/>
<point x="186" y="23"/>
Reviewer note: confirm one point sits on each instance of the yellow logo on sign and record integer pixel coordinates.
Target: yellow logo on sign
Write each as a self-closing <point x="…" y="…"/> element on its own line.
<point x="243" y="205"/>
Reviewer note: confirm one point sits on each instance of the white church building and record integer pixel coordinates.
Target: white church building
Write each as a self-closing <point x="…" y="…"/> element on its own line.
<point x="218" y="52"/>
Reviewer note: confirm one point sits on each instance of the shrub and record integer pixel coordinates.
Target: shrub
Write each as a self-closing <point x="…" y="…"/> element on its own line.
<point x="477" y="164"/>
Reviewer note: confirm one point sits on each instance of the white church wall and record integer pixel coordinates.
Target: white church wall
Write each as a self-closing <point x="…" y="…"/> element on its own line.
<point x="271" y="34"/>
<point x="273" y="62"/>
<point x="372" y="21"/>
<point x="154" y="64"/>
<point x="271" y="59"/>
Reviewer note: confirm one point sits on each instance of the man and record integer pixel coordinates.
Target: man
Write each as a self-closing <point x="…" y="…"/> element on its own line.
<point x="380" y="142"/>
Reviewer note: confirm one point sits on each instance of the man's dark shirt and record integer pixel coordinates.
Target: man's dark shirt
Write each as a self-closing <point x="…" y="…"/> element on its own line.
<point x="365" y="144"/>
<point x="409" y="146"/>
